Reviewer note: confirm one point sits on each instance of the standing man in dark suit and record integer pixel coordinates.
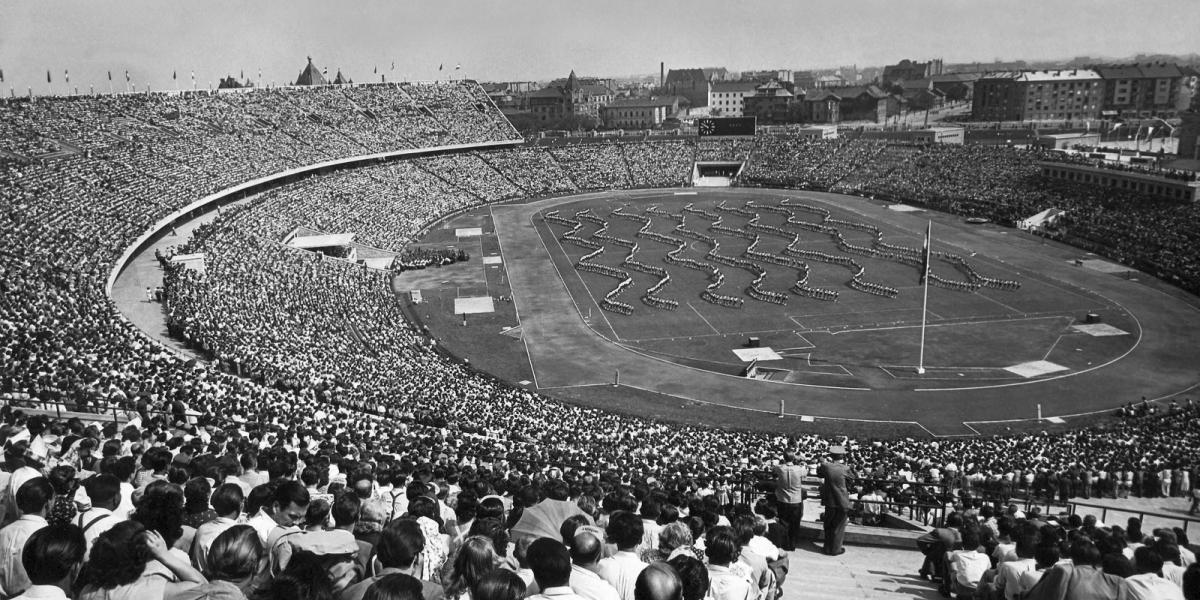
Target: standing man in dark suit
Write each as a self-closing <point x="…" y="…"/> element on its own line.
<point x="835" y="497"/>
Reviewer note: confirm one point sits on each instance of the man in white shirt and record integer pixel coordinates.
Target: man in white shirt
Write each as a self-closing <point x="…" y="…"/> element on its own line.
<point x="34" y="499"/>
<point x="1008" y="573"/>
<point x="621" y="569"/>
<point x="1149" y="583"/>
<point x="227" y="502"/>
<point x="586" y="548"/>
<point x="551" y="564"/>
<point x="52" y="558"/>
<point x="104" y="494"/>
<point x="967" y="565"/>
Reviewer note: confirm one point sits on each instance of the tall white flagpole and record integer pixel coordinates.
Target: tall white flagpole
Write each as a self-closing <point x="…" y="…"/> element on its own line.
<point x="925" y="300"/>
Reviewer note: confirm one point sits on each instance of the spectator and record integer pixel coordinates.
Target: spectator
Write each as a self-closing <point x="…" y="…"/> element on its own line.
<point x="396" y="586"/>
<point x="52" y="557"/>
<point x="658" y="581"/>
<point x="400" y="544"/>
<point x="1149" y="582"/>
<point x="587" y="547"/>
<point x="130" y="561"/>
<point x="34" y="499"/>
<point x="721" y="548"/>
<point x="622" y="568"/>
<point x="475" y="559"/>
<point x="235" y="557"/>
<point x="104" y="491"/>
<point x="500" y="584"/>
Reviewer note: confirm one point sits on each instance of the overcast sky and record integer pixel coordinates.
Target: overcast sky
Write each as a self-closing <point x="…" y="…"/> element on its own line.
<point x="542" y="39"/>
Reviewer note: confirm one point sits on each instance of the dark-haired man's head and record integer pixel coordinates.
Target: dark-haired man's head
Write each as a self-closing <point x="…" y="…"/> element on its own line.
<point x="35" y="497"/>
<point x="53" y="555"/>
<point x="625" y="529"/>
<point x="400" y="542"/>
<point x="1147" y="560"/>
<point x="289" y="503"/>
<point x="693" y="575"/>
<point x="104" y="491"/>
<point x="227" y="500"/>
<point x="550" y="562"/>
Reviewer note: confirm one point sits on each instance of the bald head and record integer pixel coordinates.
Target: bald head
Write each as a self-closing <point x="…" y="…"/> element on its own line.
<point x="585" y="548"/>
<point x="659" y="581"/>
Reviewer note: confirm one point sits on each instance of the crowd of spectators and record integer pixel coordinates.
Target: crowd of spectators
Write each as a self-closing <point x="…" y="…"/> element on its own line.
<point x="312" y="358"/>
<point x="989" y="552"/>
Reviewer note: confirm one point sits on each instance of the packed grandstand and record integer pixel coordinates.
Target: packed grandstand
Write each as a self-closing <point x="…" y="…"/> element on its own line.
<point x="313" y="363"/>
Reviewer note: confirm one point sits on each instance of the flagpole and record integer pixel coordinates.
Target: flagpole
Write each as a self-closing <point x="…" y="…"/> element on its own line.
<point x="925" y="299"/>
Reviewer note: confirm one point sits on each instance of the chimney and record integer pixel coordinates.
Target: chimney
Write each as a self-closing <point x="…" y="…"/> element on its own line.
<point x="662" y="74"/>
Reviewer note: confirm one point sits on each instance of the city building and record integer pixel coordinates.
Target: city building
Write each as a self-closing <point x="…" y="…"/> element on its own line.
<point x="725" y="98"/>
<point x="865" y="103"/>
<point x="570" y="98"/>
<point x="920" y="137"/>
<point x="1142" y="90"/>
<point x="693" y="83"/>
<point x="956" y="87"/>
<point x="641" y="113"/>
<point x="908" y="69"/>
<point x="921" y="94"/>
<point x="1047" y="95"/>
<point x="773" y="103"/>
<point x="1189" y="132"/>
<point x="821" y="106"/>
<point x="768" y="75"/>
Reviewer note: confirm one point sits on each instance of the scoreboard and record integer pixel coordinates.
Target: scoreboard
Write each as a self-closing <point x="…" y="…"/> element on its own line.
<point x="725" y="126"/>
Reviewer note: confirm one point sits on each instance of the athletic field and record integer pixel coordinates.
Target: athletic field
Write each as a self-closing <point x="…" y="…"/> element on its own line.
<point x="992" y="354"/>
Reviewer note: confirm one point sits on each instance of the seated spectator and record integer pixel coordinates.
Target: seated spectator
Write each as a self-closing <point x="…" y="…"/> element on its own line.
<point x="227" y="503"/>
<point x="34" y="500"/>
<point x="105" y="494"/>
<point x="587" y="547"/>
<point x="396" y="586"/>
<point x="550" y="562"/>
<point x="234" y="559"/>
<point x="622" y="568"/>
<point x="196" y="509"/>
<point x="476" y="558"/>
<point x="400" y="545"/>
<point x="965" y="567"/>
<point x="303" y="579"/>
<point x="1079" y="580"/>
<point x="693" y="575"/>
<point x="722" y="549"/>
<point x="500" y="584"/>
<point x="132" y="562"/>
<point x="52" y="558"/>
<point x="658" y="581"/>
<point x="1149" y="583"/>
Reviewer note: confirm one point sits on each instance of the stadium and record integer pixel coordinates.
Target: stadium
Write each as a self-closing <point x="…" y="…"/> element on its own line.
<point x="390" y="274"/>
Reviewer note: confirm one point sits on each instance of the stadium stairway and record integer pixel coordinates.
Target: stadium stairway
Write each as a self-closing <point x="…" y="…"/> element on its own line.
<point x="862" y="572"/>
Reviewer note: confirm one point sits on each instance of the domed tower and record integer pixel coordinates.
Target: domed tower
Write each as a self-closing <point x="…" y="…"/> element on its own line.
<point x="1189" y="131"/>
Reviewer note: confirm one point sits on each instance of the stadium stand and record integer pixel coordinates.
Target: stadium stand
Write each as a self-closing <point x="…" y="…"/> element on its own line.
<point x="318" y="389"/>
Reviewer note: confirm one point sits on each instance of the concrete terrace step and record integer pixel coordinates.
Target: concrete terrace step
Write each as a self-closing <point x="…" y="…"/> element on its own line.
<point x="862" y="572"/>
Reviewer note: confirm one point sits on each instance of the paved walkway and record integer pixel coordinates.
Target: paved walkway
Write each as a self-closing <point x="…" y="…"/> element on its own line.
<point x="862" y="572"/>
<point x="129" y="291"/>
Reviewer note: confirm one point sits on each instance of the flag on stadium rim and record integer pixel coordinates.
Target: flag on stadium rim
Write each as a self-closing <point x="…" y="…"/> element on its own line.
<point x="126" y="76"/>
<point x="457" y="67"/>
<point x="110" y="75"/>
<point x="1" y="75"/>
<point x="47" y="75"/>
<point x="441" y="65"/>
<point x="174" y="75"/>
<point x="67" y="75"/>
